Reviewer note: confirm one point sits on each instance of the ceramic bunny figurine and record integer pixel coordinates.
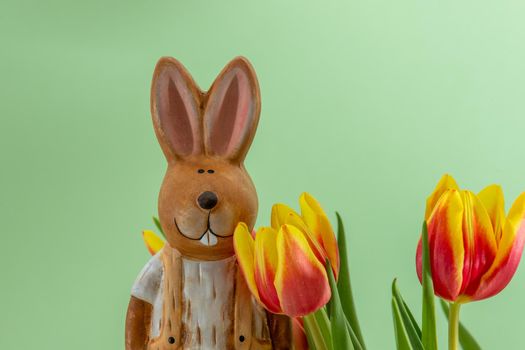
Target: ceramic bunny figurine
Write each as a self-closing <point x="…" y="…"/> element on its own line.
<point x="192" y="295"/>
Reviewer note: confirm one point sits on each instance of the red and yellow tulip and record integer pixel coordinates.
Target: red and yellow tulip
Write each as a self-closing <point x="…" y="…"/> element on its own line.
<point x="474" y="248"/>
<point x="284" y="264"/>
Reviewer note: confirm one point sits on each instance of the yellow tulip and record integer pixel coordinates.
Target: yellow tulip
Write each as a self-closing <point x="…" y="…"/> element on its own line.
<point x="153" y="242"/>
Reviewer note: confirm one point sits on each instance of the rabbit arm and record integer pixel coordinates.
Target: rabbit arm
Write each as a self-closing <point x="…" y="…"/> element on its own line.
<point x="137" y="324"/>
<point x="280" y="327"/>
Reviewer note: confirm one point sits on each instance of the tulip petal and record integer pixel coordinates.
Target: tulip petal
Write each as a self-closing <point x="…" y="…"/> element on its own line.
<point x="301" y="281"/>
<point x="243" y="244"/>
<point x="280" y="213"/>
<point x="445" y="240"/>
<point x="509" y="253"/>
<point x="283" y="214"/>
<point x="295" y="220"/>
<point x="492" y="198"/>
<point x="479" y="242"/>
<point x="447" y="182"/>
<point x="316" y="220"/>
<point x="153" y="242"/>
<point x="265" y="267"/>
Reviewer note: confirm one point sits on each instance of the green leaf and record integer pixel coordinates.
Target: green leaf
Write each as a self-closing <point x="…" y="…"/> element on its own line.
<point x="466" y="340"/>
<point x="355" y="340"/>
<point x="429" y="337"/>
<point x="324" y="325"/>
<point x="310" y="336"/>
<point x="343" y="284"/>
<point x="313" y="332"/>
<point x="402" y="340"/>
<point x="411" y="328"/>
<point x="340" y="335"/>
<point x="159" y="227"/>
<point x="412" y="320"/>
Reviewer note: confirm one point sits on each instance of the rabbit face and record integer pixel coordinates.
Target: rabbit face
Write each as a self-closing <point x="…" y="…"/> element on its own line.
<point x="200" y="215"/>
<point x="205" y="136"/>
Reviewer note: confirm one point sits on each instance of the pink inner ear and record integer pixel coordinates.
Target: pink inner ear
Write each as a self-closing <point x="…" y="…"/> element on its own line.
<point x="225" y="123"/>
<point x="244" y="115"/>
<point x="177" y="112"/>
<point x="231" y="116"/>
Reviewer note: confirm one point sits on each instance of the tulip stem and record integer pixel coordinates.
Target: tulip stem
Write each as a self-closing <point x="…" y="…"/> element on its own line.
<point x="453" y="324"/>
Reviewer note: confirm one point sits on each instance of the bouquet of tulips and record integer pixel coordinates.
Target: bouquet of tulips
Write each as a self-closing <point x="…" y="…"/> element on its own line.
<point x="468" y="251"/>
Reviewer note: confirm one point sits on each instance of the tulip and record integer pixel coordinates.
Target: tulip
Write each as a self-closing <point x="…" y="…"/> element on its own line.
<point x="153" y="242"/>
<point x="281" y="270"/>
<point x="284" y="265"/>
<point x="474" y="249"/>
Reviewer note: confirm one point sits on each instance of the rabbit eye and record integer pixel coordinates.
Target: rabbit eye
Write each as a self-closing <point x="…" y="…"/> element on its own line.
<point x="200" y="171"/>
<point x="211" y="171"/>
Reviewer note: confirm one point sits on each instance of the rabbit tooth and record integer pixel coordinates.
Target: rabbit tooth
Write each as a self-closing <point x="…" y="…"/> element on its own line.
<point x="209" y="239"/>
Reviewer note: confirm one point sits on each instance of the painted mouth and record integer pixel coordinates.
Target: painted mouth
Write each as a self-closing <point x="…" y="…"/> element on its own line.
<point x="207" y="238"/>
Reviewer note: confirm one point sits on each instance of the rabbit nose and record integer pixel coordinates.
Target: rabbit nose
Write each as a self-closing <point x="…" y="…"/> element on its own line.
<point x="207" y="200"/>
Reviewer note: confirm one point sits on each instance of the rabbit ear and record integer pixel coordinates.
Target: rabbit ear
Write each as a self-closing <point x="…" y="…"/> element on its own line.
<point x="232" y="111"/>
<point x="175" y="108"/>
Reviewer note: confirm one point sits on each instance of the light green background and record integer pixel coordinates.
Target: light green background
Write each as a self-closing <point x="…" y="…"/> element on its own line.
<point x="365" y="104"/>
